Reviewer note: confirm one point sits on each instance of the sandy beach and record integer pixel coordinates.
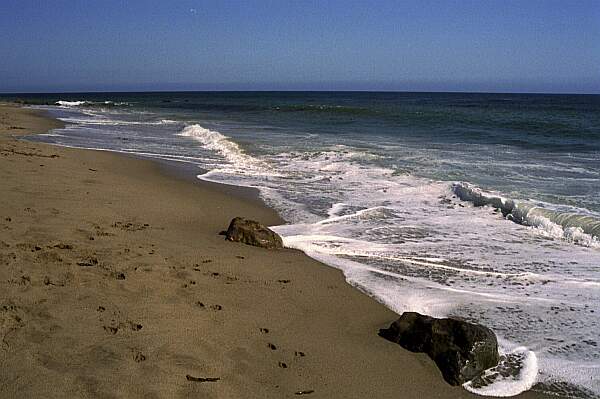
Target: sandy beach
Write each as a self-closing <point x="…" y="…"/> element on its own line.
<point x="114" y="283"/>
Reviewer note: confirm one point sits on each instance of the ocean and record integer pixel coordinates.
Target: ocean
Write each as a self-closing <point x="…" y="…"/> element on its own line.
<point x="481" y="206"/>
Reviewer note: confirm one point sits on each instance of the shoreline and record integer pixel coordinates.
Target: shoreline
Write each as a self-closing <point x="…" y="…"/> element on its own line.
<point x="71" y="315"/>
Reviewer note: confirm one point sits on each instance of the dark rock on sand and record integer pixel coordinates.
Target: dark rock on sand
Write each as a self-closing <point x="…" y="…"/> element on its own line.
<point x="461" y="350"/>
<point x="253" y="233"/>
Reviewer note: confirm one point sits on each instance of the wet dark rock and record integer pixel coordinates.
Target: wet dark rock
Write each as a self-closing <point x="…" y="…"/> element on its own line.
<point x="461" y="350"/>
<point x="253" y="233"/>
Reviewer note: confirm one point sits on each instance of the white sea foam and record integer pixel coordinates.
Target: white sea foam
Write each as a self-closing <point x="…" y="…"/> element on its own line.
<point x="51" y="134"/>
<point x="516" y="372"/>
<point x="239" y="161"/>
<point x="117" y="122"/>
<point x="405" y="240"/>
<point x="391" y="252"/>
<point x="572" y="226"/>
<point x="63" y="103"/>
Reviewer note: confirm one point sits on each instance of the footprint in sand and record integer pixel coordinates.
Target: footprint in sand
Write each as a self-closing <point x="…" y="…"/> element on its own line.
<point x="6" y="259"/>
<point x="130" y="226"/>
<point x="134" y="326"/>
<point x="49" y="257"/>
<point x="61" y="245"/>
<point x="10" y="320"/>
<point x="23" y="281"/>
<point x="111" y="330"/>
<point x="118" y="275"/>
<point x="211" y="307"/>
<point x="114" y="329"/>
<point x="138" y="356"/>
<point x="88" y="261"/>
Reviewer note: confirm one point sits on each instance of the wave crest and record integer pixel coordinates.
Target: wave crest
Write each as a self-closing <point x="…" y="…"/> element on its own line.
<point x="240" y="162"/>
<point x="571" y="226"/>
<point x="64" y="103"/>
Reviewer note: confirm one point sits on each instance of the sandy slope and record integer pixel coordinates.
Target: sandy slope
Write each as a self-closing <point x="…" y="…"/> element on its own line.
<point x="115" y="283"/>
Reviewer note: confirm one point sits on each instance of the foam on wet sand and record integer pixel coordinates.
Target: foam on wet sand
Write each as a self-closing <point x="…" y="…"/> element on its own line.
<point x="115" y="282"/>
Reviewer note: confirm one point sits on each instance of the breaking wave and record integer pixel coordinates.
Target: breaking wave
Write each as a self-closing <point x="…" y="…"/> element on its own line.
<point x="241" y="163"/>
<point x="571" y="226"/>
<point x="64" y="103"/>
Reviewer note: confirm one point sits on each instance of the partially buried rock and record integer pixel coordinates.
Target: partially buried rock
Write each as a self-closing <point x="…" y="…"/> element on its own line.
<point x="461" y="350"/>
<point x="253" y="233"/>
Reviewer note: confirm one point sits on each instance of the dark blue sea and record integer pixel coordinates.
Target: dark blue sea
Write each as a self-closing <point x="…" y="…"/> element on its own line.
<point x="483" y="206"/>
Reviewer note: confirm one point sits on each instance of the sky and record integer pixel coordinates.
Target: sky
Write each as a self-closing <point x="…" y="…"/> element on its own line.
<point x="421" y="45"/>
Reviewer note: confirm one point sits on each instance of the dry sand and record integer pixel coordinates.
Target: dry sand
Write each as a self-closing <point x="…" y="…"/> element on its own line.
<point x="114" y="283"/>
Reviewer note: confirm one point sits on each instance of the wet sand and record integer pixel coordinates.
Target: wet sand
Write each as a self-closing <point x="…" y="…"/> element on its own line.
<point x="114" y="283"/>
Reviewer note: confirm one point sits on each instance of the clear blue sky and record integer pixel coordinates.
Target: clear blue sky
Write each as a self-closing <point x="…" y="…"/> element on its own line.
<point x="504" y="45"/>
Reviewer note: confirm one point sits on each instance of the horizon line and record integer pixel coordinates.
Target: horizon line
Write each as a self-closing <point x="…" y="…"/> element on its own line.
<point x="5" y="93"/>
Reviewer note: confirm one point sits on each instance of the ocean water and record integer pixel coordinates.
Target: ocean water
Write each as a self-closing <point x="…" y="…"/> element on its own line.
<point x="482" y="206"/>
